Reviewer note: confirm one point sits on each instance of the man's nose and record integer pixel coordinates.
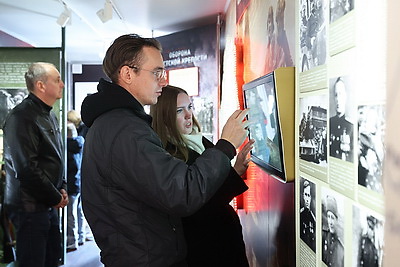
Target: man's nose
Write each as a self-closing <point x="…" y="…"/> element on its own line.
<point x="163" y="82"/>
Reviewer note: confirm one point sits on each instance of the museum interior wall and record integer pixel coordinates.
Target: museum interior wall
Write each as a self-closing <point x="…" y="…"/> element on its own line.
<point x="333" y="214"/>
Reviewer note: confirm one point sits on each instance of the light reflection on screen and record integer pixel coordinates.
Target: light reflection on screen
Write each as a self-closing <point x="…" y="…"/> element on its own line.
<point x="263" y="123"/>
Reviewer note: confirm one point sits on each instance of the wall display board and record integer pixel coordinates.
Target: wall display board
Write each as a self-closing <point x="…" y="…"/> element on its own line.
<point x="194" y="52"/>
<point x="341" y="129"/>
<point x="14" y="62"/>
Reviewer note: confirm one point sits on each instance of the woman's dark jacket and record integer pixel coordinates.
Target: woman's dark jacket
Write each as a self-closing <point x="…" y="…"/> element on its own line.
<point x="34" y="157"/>
<point x="214" y="233"/>
<point x="134" y="193"/>
<point x="74" y="161"/>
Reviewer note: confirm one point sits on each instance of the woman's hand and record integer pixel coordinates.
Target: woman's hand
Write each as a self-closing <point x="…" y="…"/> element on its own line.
<point x="242" y="159"/>
<point x="235" y="129"/>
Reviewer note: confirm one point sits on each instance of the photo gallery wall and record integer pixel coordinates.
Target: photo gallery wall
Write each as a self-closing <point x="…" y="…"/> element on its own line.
<point x="341" y="130"/>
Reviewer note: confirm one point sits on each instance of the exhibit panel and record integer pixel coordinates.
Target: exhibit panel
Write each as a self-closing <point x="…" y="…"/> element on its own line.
<point x="341" y="107"/>
<point x="339" y="131"/>
<point x="191" y="61"/>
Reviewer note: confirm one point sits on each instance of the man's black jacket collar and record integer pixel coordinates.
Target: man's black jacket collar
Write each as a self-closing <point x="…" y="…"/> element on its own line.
<point x="110" y="96"/>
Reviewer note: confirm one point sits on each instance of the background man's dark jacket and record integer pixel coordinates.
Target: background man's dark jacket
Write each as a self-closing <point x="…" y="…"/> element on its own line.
<point x="34" y="157"/>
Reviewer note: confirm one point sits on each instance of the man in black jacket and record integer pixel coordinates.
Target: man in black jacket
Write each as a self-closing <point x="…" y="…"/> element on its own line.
<point x="33" y="155"/>
<point x="134" y="192"/>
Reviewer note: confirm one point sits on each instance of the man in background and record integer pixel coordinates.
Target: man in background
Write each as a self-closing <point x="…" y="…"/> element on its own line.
<point x="33" y="155"/>
<point x="75" y="216"/>
<point x="74" y="117"/>
<point x="84" y="231"/>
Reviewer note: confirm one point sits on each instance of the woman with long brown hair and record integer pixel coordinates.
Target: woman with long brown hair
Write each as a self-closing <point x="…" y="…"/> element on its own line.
<point x="214" y="233"/>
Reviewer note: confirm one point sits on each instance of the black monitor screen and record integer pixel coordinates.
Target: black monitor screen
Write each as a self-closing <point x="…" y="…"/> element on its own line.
<point x="264" y="127"/>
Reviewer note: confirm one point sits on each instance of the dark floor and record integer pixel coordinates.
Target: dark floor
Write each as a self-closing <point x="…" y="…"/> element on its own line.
<point x="87" y="255"/>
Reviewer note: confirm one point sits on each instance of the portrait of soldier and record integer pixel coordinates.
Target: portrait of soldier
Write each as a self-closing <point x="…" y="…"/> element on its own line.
<point x="341" y="129"/>
<point x="332" y="246"/>
<point x="371" y="148"/>
<point x="368" y="252"/>
<point x="307" y="217"/>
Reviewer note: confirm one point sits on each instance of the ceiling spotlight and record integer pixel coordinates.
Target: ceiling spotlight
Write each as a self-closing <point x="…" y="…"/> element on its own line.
<point x="105" y="14"/>
<point x="64" y="18"/>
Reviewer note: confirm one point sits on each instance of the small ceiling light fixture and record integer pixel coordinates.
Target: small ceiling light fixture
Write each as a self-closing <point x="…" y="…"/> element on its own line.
<point x="105" y="14"/>
<point x="65" y="17"/>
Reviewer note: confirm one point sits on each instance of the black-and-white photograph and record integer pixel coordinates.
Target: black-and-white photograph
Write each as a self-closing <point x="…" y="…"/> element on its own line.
<point x="341" y="123"/>
<point x="204" y="114"/>
<point x="9" y="98"/>
<point x="367" y="239"/>
<point x="332" y="228"/>
<point x="313" y="14"/>
<point x="371" y="150"/>
<point x="339" y="8"/>
<point x="307" y="212"/>
<point x="313" y="129"/>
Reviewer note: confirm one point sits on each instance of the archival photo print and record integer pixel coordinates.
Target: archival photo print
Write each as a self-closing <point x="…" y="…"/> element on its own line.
<point x="368" y="236"/>
<point x="339" y="8"/>
<point x="267" y="30"/>
<point x="278" y="51"/>
<point x="341" y="123"/>
<point x="371" y="149"/>
<point x="332" y="228"/>
<point x="9" y="98"/>
<point x="313" y="20"/>
<point x="307" y="213"/>
<point x="313" y="129"/>
<point x="204" y="114"/>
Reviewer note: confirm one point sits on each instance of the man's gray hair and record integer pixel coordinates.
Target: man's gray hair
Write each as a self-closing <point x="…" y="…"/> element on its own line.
<point x="36" y="72"/>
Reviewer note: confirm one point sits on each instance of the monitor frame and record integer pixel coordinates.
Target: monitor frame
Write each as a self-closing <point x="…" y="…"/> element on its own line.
<point x="283" y="92"/>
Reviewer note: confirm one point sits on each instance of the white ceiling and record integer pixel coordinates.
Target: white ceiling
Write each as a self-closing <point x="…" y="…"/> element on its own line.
<point x="86" y="36"/>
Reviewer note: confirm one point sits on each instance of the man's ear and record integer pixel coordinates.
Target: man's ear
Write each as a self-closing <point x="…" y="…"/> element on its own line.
<point x="40" y="86"/>
<point x="125" y="75"/>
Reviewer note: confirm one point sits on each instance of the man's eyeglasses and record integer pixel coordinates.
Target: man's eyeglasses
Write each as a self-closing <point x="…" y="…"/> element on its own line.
<point x="160" y="73"/>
